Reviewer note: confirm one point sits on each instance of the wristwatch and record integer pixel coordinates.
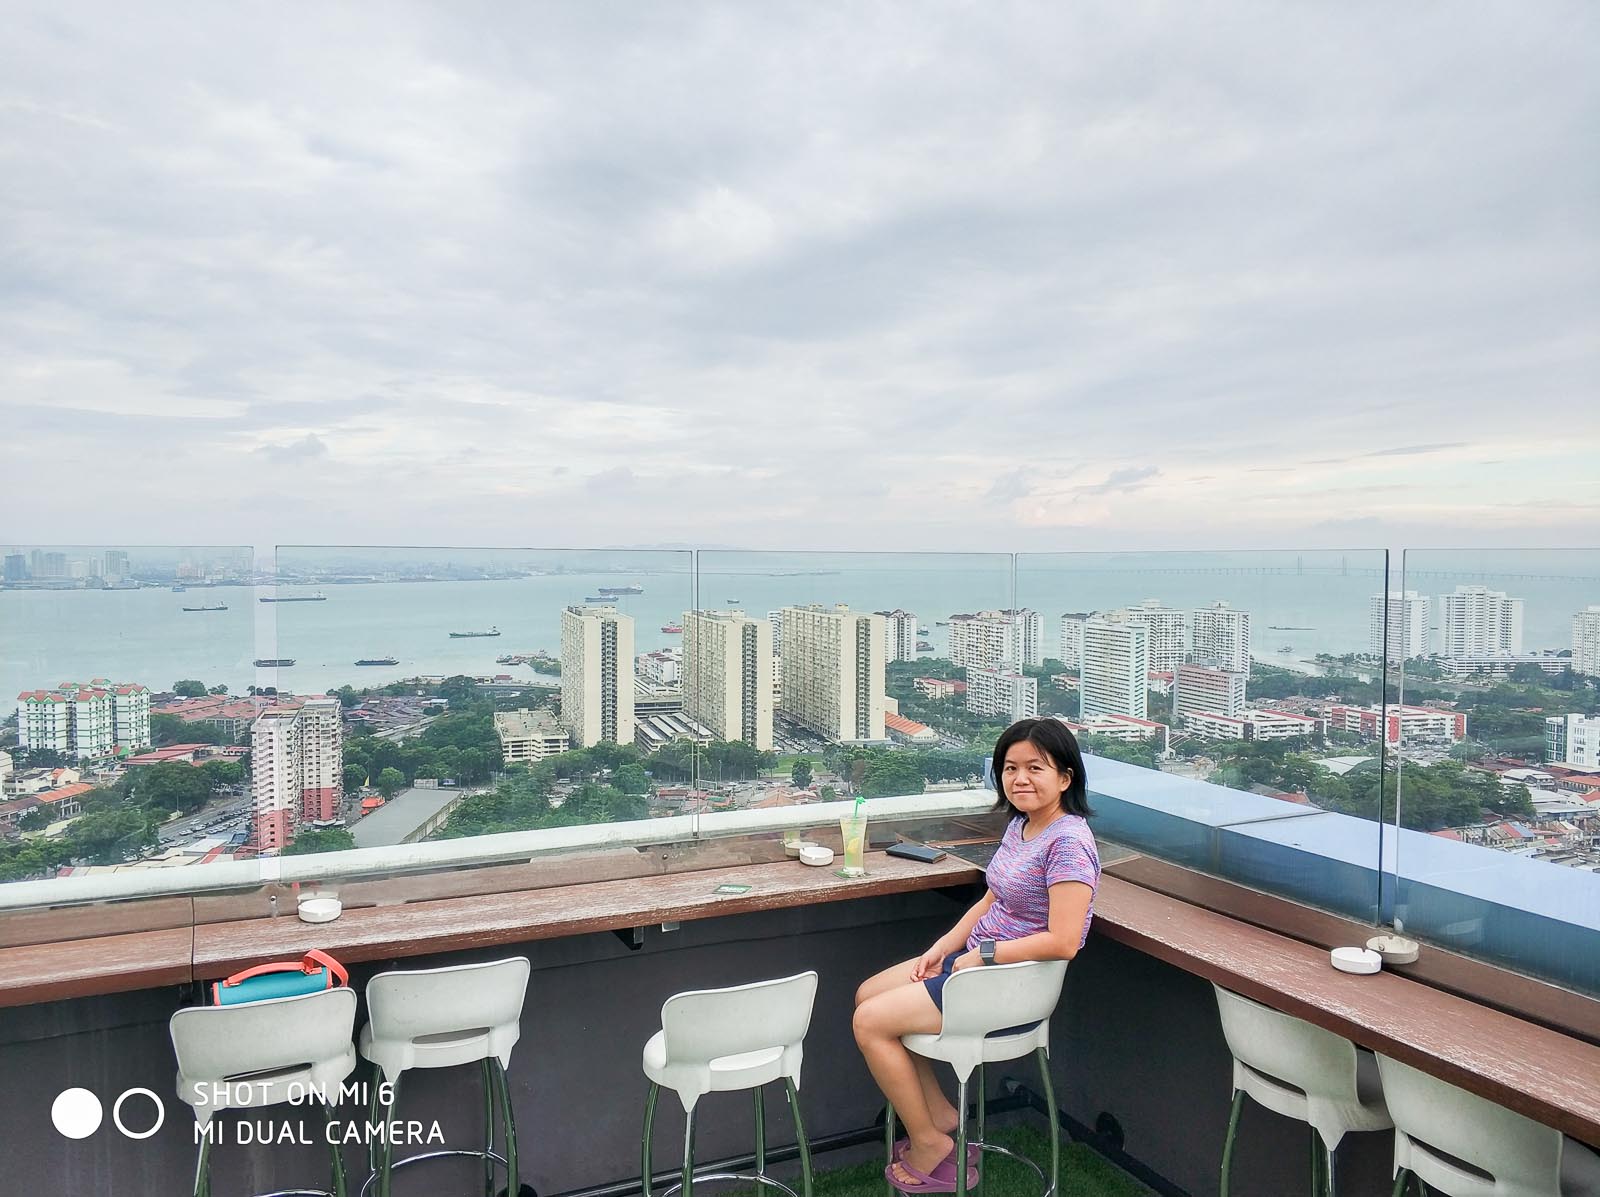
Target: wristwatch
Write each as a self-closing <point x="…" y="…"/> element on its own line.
<point x="986" y="950"/>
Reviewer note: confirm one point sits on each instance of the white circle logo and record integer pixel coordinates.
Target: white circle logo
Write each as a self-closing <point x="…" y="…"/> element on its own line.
<point x="161" y="1113"/>
<point x="77" y="1113"/>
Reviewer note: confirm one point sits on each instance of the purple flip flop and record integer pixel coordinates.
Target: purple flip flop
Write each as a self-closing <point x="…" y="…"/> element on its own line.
<point x="974" y="1152"/>
<point x="941" y="1180"/>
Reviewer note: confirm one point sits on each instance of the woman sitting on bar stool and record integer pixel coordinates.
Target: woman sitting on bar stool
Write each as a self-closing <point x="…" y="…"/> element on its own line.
<point x="1038" y="906"/>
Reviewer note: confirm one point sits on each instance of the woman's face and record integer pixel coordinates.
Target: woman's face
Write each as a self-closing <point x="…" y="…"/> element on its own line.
<point x="1031" y="781"/>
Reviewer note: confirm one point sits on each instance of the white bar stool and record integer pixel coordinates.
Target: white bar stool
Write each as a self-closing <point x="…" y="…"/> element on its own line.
<point x="1301" y="1071"/>
<point x="725" y="1041"/>
<point x="441" y="1018"/>
<point x="260" y="1054"/>
<point x="978" y="1002"/>
<point x="1467" y="1146"/>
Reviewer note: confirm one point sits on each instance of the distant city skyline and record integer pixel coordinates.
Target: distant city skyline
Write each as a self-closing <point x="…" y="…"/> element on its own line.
<point x="797" y="276"/>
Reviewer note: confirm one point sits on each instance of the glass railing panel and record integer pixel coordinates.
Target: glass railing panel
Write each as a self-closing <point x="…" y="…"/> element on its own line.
<point x="1495" y="794"/>
<point x="1213" y="693"/>
<point x="125" y="669"/>
<point x="864" y="698"/>
<point x="476" y="692"/>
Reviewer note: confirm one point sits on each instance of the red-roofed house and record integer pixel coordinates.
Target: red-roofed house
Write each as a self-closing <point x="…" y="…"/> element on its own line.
<point x="64" y="801"/>
<point x="908" y="731"/>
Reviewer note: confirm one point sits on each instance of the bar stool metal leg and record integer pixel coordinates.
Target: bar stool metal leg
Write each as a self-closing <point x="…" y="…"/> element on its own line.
<point x="961" y="1138"/>
<point x="202" y="1166"/>
<point x="1227" y="1146"/>
<point x="488" y="1129"/>
<point x="644" y="1143"/>
<point x="1400" y="1180"/>
<point x="513" y="1173"/>
<point x="761" y="1133"/>
<point x="688" y="1154"/>
<point x="334" y="1151"/>
<point x="1055" y="1121"/>
<point x="373" y="1105"/>
<point x="982" y="1090"/>
<point x="793" y="1095"/>
<point x="386" y="1160"/>
<point x="1328" y="1160"/>
<point x="888" y="1140"/>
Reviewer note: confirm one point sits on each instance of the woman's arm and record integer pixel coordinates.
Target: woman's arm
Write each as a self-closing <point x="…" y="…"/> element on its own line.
<point x="1069" y="907"/>
<point x="952" y="940"/>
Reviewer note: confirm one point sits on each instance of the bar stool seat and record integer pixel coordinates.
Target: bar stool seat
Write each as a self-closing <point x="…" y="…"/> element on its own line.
<point x="723" y="1041"/>
<point x="260" y="1054"/>
<point x="991" y="1014"/>
<point x="444" y="1018"/>
<point x="1301" y="1071"/>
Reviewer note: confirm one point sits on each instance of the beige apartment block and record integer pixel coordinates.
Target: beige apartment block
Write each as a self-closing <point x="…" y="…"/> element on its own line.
<point x="597" y="675"/>
<point x="528" y="736"/>
<point x="834" y="671"/>
<point x="727" y="675"/>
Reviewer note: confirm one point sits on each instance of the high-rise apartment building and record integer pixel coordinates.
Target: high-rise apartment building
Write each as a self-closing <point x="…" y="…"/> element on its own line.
<point x="990" y="639"/>
<point x="775" y="618"/>
<point x="1002" y="692"/>
<point x="1166" y="625"/>
<point x="1116" y="667"/>
<point x="727" y="675"/>
<point x="1572" y="740"/>
<point x="1219" y="636"/>
<point x="660" y="670"/>
<point x="1476" y="621"/>
<point x="1072" y="639"/>
<point x="1200" y="688"/>
<point x="16" y="568"/>
<point x="833" y="671"/>
<point x="43" y="564"/>
<point x="114" y="565"/>
<point x="1586" y="641"/>
<point x="85" y="720"/>
<point x="296" y="770"/>
<point x="1407" y="625"/>
<point x="597" y="675"/>
<point x="900" y="632"/>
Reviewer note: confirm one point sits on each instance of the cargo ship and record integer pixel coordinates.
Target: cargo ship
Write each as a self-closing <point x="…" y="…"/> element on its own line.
<point x="495" y="631"/>
<point x="616" y="590"/>
<point x="318" y="597"/>
<point x="218" y="607"/>
<point x="672" y="627"/>
<point x="378" y="661"/>
<point x="273" y="662"/>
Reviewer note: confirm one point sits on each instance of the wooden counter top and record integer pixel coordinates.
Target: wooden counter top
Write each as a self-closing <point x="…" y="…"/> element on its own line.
<point x="1550" y="1077"/>
<point x="49" y="972"/>
<point x="487" y="920"/>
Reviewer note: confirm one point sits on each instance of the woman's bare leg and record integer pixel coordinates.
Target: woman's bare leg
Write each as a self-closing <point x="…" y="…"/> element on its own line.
<point x="940" y="1109"/>
<point x="879" y="1022"/>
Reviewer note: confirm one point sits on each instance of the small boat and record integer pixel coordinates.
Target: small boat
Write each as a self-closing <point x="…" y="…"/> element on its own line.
<point x="672" y="628"/>
<point x="218" y="607"/>
<point x="732" y="602"/>
<point x="273" y="662"/>
<point x="596" y="598"/>
<point x="494" y="631"/>
<point x="318" y="597"/>
<point x="1288" y="627"/>
<point x="615" y="590"/>
<point x="941" y="623"/>
<point x="924" y="647"/>
<point x="179" y="589"/>
<point x="1287" y="648"/>
<point x="378" y="661"/>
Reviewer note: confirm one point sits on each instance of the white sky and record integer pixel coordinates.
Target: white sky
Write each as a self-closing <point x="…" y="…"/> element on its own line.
<point x="815" y="275"/>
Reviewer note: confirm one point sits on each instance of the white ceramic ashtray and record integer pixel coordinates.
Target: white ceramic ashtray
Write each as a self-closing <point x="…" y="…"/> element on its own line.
<point x="1395" y="949"/>
<point x="816" y="854"/>
<point x="795" y="847"/>
<point x="320" y="910"/>
<point x="1356" y="960"/>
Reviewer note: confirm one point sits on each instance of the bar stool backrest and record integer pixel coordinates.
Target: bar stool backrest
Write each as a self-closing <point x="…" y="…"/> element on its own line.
<point x="1522" y="1157"/>
<point x="702" y="1025"/>
<point x="991" y="997"/>
<point x="305" y="1040"/>
<point x="410" y="1005"/>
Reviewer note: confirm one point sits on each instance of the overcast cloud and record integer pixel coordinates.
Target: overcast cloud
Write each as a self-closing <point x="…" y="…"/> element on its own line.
<point x="810" y="275"/>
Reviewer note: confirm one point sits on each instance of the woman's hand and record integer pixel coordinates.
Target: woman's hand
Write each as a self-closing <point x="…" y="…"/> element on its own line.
<point x="930" y="964"/>
<point x="968" y="960"/>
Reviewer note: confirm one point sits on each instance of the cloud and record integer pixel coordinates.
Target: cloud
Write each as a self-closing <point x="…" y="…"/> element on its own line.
<point x="1128" y="478"/>
<point x="308" y="448"/>
<point x="1415" y="450"/>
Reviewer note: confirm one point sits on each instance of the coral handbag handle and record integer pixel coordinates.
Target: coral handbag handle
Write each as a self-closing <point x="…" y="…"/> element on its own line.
<point x="335" y="969"/>
<point x="312" y="961"/>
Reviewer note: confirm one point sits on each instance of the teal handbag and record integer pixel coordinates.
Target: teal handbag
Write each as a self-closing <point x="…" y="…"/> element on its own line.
<point x="284" y="978"/>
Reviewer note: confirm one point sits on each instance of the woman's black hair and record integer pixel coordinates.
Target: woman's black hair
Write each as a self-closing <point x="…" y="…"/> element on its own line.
<point x="1052" y="738"/>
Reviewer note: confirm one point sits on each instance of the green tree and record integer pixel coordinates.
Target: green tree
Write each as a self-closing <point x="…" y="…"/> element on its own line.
<point x="320" y="839"/>
<point x="170" y="786"/>
<point x="223" y="773"/>
<point x="800" y="772"/>
<point x="36" y="819"/>
<point x="389" y="781"/>
<point x="891" y="773"/>
<point x="111" y="836"/>
<point x="220" y="688"/>
<point x="354" y="778"/>
<point x="189" y="688"/>
<point x="631" y="779"/>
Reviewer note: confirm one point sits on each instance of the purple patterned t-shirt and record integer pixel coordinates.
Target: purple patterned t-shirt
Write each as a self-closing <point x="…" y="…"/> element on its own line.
<point x="1022" y="872"/>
